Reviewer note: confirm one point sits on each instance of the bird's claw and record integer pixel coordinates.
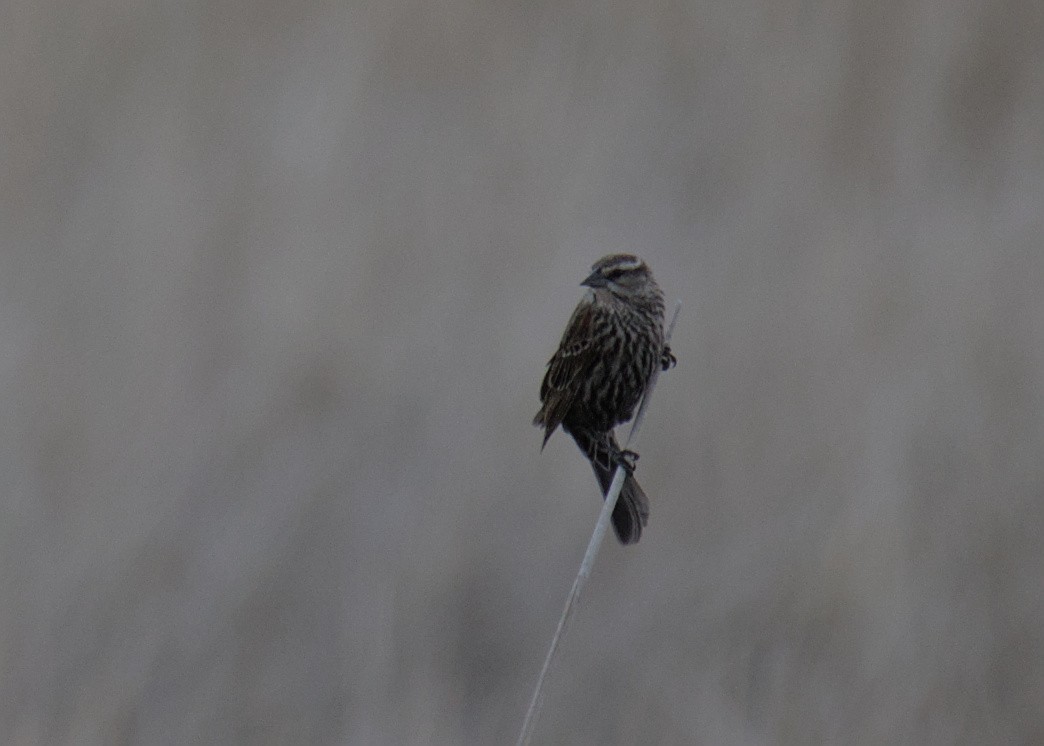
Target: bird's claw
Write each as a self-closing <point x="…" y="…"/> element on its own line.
<point x="628" y="460"/>
<point x="667" y="358"/>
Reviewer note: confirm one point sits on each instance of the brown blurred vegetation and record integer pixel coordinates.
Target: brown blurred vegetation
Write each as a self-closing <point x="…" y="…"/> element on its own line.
<point x="278" y="283"/>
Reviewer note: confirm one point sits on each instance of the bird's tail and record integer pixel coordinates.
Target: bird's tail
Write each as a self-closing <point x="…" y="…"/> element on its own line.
<point x="631" y="512"/>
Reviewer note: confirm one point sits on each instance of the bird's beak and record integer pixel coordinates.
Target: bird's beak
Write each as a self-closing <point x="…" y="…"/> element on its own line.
<point x="595" y="280"/>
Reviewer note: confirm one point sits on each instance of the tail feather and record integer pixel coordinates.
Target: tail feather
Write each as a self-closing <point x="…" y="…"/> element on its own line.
<point x="631" y="512"/>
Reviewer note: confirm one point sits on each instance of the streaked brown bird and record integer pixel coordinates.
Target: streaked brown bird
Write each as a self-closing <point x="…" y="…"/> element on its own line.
<point x="601" y="371"/>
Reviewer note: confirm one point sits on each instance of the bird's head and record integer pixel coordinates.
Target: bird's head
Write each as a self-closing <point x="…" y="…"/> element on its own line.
<point x="624" y="275"/>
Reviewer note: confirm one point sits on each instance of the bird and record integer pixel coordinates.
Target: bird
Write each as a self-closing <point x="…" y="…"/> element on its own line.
<point x="602" y="368"/>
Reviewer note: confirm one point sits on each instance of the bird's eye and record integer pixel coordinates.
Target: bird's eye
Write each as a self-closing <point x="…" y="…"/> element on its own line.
<point x="614" y="274"/>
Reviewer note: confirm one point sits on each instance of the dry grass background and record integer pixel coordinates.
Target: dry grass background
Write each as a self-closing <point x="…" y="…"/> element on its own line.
<point x="278" y="283"/>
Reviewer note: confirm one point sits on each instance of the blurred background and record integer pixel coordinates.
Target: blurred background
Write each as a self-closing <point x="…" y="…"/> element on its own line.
<point x="279" y="281"/>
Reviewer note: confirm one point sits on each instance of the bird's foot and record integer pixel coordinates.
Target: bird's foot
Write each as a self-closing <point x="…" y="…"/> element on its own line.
<point x="627" y="459"/>
<point x="667" y="359"/>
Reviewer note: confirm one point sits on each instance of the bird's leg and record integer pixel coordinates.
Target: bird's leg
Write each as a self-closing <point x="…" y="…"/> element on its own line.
<point x="602" y="449"/>
<point x="667" y="358"/>
<point x="598" y="450"/>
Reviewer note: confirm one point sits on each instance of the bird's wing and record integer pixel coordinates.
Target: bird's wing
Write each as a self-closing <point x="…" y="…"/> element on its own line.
<point x="567" y="369"/>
